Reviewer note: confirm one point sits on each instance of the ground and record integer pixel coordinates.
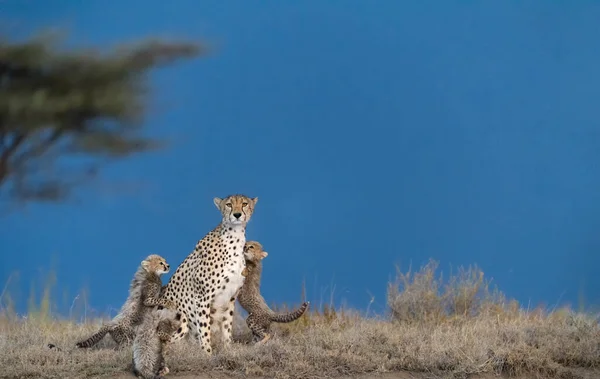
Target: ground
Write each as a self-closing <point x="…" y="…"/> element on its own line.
<point x="462" y="330"/>
<point x="395" y="375"/>
<point x="331" y="346"/>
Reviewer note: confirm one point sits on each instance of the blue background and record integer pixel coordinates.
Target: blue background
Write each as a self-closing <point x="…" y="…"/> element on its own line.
<point x="372" y="133"/>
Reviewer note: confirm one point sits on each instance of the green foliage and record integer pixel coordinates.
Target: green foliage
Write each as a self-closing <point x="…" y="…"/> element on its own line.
<point x="56" y="104"/>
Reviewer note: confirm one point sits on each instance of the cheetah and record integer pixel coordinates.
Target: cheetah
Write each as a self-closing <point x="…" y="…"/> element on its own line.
<point x="205" y="285"/>
<point x="144" y="293"/>
<point x="151" y="336"/>
<point x="260" y="315"/>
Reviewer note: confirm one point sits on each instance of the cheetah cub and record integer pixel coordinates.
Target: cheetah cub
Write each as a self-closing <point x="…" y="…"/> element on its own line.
<point x="205" y="285"/>
<point x="144" y="293"/>
<point x="152" y="335"/>
<point x="260" y="315"/>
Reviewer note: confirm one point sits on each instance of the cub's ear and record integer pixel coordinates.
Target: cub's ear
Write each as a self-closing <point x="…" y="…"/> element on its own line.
<point x="255" y="200"/>
<point x="217" y="201"/>
<point x="264" y="254"/>
<point x="145" y="265"/>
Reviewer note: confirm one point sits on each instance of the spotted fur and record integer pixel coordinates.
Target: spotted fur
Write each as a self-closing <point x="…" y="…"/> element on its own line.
<point x="205" y="285"/>
<point x="151" y="336"/>
<point x="260" y="315"/>
<point x="144" y="293"/>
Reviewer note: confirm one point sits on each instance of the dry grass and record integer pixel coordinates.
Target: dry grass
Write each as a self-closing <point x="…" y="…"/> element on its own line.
<point x="447" y="329"/>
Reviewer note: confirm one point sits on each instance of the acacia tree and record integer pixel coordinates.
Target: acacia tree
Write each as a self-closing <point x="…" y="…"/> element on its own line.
<point x="62" y="112"/>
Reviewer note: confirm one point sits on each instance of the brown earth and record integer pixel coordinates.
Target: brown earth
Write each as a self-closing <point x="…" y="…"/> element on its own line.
<point x="582" y="374"/>
<point x="458" y="330"/>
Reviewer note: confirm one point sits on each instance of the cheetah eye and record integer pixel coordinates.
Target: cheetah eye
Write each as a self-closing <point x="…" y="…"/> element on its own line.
<point x="244" y="204"/>
<point x="250" y="247"/>
<point x="228" y="205"/>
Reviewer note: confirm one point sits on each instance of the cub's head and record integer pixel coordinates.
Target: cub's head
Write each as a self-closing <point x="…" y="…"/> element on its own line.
<point x="253" y="252"/>
<point x="236" y="209"/>
<point x="155" y="264"/>
<point x="168" y="326"/>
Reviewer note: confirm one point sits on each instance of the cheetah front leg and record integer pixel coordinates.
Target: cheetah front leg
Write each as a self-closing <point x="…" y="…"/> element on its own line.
<point x="200" y="324"/>
<point x="152" y="297"/>
<point x="159" y="302"/>
<point x="227" y="323"/>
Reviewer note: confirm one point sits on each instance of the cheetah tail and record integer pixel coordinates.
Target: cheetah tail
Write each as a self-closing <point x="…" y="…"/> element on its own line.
<point x="291" y="316"/>
<point x="94" y="339"/>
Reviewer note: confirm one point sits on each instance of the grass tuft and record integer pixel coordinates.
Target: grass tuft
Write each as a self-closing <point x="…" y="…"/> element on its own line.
<point x="444" y="328"/>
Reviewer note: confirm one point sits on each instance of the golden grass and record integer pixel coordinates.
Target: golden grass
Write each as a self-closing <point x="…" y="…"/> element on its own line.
<point x="452" y="329"/>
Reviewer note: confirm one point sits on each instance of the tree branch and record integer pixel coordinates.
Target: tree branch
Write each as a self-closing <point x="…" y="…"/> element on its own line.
<point x="40" y="149"/>
<point x="51" y="98"/>
<point x="7" y="153"/>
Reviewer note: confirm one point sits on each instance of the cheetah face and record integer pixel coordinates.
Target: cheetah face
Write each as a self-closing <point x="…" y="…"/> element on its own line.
<point x="155" y="263"/>
<point x="168" y="325"/>
<point x="236" y="209"/>
<point x="253" y="251"/>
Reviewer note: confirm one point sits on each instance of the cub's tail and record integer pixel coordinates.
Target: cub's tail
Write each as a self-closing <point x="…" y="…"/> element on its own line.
<point x="291" y="316"/>
<point x="94" y="339"/>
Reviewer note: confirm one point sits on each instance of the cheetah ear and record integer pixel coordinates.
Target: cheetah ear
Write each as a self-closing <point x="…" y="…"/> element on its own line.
<point x="145" y="265"/>
<point x="264" y="254"/>
<point x="217" y="201"/>
<point x="255" y="200"/>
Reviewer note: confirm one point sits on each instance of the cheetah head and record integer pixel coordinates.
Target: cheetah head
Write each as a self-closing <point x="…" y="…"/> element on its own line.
<point x="169" y="321"/>
<point x="168" y="325"/>
<point x="155" y="263"/>
<point x="236" y="209"/>
<point x="253" y="251"/>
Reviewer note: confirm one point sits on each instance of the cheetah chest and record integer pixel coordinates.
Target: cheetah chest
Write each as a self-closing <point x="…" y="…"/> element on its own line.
<point x="232" y="273"/>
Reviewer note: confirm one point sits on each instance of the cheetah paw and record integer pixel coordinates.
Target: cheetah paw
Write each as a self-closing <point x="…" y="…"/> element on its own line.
<point x="264" y="340"/>
<point x="164" y="371"/>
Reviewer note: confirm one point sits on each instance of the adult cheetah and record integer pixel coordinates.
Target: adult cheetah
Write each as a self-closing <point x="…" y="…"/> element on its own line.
<point x="205" y="285"/>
